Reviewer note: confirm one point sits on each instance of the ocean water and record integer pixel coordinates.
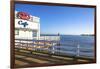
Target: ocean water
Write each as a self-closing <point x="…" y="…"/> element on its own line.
<point x="76" y="45"/>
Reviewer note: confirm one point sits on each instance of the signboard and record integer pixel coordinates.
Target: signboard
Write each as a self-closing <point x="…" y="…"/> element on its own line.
<point x="23" y="15"/>
<point x="22" y="23"/>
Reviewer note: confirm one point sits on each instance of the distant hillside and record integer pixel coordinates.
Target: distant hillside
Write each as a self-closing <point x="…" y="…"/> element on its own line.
<point x="48" y="34"/>
<point x="87" y="34"/>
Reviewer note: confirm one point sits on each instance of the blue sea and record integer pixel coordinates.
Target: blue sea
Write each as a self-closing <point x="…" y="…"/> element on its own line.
<point x="76" y="45"/>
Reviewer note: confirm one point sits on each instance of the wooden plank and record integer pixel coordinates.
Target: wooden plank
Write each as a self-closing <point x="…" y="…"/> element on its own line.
<point x="36" y="60"/>
<point x="18" y="62"/>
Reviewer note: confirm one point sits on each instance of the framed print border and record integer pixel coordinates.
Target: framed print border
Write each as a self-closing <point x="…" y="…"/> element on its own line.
<point x="12" y="48"/>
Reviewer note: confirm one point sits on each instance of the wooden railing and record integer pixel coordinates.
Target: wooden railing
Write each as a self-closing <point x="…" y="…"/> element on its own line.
<point x="54" y="48"/>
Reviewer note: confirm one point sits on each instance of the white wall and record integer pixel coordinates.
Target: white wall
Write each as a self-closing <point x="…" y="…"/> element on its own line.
<point x="27" y="34"/>
<point x="34" y="25"/>
<point x="5" y="34"/>
<point x="24" y="35"/>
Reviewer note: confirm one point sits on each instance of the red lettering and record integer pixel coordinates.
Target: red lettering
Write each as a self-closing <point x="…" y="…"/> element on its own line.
<point x="23" y="15"/>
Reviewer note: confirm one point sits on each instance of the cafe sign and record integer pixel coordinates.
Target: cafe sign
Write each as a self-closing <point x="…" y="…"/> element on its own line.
<point x="23" y="15"/>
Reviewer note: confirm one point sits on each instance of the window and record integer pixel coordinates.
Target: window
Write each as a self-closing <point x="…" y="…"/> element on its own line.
<point x="34" y="33"/>
<point x="16" y="32"/>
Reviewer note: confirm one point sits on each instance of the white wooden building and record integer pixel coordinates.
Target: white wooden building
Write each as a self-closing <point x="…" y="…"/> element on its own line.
<point x="26" y="26"/>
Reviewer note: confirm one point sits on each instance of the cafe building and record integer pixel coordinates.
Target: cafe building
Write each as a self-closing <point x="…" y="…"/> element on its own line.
<point x="26" y="26"/>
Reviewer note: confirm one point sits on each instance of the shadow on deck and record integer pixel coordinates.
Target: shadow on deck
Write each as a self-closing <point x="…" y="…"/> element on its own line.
<point x="28" y="58"/>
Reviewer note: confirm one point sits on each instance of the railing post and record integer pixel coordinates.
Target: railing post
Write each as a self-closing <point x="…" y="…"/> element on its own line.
<point x="44" y="40"/>
<point x="27" y="43"/>
<point x="78" y="50"/>
<point x="19" y="46"/>
<point x="59" y="43"/>
<point x="53" y="49"/>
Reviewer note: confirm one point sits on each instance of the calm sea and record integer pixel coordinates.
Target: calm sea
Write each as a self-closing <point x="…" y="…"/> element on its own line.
<point x="77" y="45"/>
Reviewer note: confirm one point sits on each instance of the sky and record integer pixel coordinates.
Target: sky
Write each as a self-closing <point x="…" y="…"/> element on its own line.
<point x="61" y="19"/>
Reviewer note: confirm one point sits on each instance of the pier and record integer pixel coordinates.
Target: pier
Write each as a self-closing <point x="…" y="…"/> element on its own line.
<point x="46" y="53"/>
<point x="32" y="47"/>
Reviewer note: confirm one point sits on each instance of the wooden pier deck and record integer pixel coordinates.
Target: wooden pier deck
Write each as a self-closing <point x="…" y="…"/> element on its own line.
<point x="27" y="58"/>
